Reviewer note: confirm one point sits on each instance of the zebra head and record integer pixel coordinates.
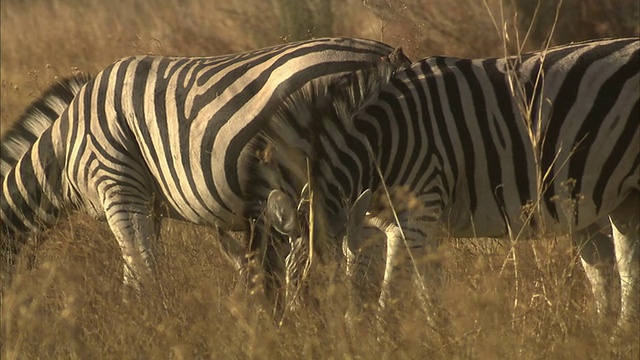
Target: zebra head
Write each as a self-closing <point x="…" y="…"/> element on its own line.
<point x="363" y="248"/>
<point x="282" y="214"/>
<point x="15" y="143"/>
<point x="362" y="241"/>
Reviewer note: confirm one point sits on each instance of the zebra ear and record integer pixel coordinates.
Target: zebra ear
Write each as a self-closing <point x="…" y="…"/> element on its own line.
<point x="359" y="209"/>
<point x="282" y="215"/>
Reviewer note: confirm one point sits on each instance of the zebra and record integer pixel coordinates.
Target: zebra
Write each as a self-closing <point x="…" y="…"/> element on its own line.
<point x="542" y="143"/>
<point x="153" y="136"/>
<point x="35" y="120"/>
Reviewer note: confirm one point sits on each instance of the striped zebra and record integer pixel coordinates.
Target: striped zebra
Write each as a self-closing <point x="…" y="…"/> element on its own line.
<point x="152" y="137"/>
<point x="35" y="120"/>
<point x="544" y="143"/>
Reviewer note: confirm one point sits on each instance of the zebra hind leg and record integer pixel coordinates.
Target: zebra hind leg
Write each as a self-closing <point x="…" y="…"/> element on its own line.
<point x="363" y="251"/>
<point x="625" y="223"/>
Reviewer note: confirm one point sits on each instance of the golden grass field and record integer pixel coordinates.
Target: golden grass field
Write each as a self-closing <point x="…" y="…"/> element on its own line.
<point x="502" y="299"/>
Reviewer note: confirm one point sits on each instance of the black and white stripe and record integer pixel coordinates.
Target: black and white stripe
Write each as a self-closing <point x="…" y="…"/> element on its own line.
<point x="153" y="136"/>
<point x="35" y="120"/>
<point x="541" y="143"/>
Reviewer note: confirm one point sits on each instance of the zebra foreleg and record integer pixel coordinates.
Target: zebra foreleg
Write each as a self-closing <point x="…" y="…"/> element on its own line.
<point x="398" y="269"/>
<point x="625" y="223"/>
<point x="411" y="265"/>
<point x="363" y="251"/>
<point x="598" y="260"/>
<point x="135" y="226"/>
<point x="263" y="269"/>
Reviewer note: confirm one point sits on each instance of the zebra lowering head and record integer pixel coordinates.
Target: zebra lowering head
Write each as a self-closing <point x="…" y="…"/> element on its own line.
<point x="153" y="137"/>
<point x="298" y="224"/>
<point x="283" y="215"/>
<point x="17" y="141"/>
<point x="285" y="161"/>
<point x="544" y="143"/>
<point x="362" y="246"/>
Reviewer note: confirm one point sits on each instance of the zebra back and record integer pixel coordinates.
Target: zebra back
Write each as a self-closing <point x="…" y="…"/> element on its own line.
<point x="483" y="138"/>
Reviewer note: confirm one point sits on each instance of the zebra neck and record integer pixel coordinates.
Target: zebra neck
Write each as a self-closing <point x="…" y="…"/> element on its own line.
<point x="32" y="190"/>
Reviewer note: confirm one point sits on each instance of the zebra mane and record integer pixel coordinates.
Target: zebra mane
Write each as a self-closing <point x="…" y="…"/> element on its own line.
<point x="36" y="119"/>
<point x="338" y="99"/>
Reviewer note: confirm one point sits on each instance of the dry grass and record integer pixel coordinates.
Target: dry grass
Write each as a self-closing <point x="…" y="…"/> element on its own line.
<point x="68" y="304"/>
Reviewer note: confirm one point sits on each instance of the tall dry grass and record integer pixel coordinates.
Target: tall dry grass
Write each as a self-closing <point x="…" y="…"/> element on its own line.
<point x="64" y="300"/>
<point x="69" y="305"/>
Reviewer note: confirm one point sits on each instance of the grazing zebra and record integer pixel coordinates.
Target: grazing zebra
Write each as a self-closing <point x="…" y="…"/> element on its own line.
<point x="540" y="143"/>
<point x="35" y="120"/>
<point x="153" y="137"/>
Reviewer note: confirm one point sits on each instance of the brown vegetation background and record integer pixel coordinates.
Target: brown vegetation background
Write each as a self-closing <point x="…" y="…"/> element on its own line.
<point x="503" y="299"/>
